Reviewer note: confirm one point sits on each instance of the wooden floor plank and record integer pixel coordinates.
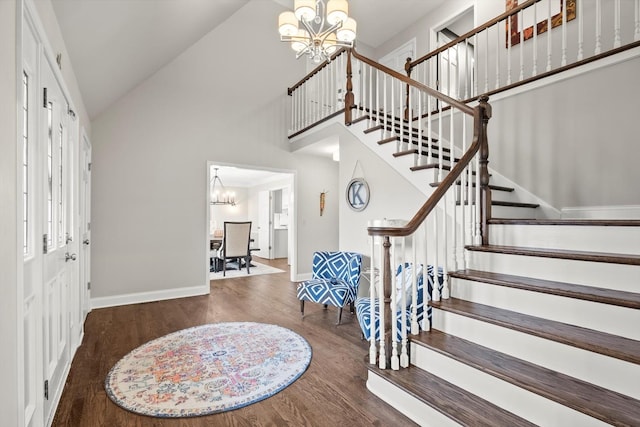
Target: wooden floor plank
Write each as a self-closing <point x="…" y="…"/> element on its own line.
<point x="331" y="392"/>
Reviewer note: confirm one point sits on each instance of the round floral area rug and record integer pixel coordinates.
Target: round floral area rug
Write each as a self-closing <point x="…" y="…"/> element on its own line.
<point x="208" y="369"/>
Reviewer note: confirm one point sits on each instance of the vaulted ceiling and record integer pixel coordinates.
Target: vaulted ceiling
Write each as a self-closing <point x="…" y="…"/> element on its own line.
<point x="114" y="45"/>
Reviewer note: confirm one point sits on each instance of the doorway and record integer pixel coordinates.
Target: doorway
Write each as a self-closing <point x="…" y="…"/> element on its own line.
<point x="264" y="196"/>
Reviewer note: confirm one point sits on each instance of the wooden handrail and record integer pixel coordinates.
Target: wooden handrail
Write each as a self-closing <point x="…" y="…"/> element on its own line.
<point x="481" y="114"/>
<point x="473" y="32"/>
<point x="455" y="103"/>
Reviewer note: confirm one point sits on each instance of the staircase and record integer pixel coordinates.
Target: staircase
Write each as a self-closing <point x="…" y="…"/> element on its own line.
<point x="542" y="324"/>
<point x="538" y="321"/>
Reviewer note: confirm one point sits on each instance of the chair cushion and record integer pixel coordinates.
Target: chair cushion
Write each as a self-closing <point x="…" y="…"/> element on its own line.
<point x="327" y="291"/>
<point x="364" y="319"/>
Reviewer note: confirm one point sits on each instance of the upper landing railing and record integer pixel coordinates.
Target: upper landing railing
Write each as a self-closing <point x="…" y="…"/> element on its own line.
<point x="516" y="47"/>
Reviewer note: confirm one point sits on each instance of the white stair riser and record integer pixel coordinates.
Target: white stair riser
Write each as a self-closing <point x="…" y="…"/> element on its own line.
<point x="513" y="212"/>
<point x="608" y="239"/>
<point x="526" y="404"/>
<point x="622" y="277"/>
<point x="614" y="374"/>
<point x="608" y="318"/>
<point x="408" y="405"/>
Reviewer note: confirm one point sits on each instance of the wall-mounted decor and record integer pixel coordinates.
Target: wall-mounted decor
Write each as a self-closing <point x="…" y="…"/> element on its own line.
<point x="357" y="194"/>
<point x="323" y="200"/>
<point x="543" y="10"/>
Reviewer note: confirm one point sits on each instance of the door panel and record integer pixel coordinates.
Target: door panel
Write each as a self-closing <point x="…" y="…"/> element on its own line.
<point x="58" y="226"/>
<point x="265" y="215"/>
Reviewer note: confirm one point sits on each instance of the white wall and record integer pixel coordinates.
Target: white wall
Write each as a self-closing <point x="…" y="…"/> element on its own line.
<point x="151" y="150"/>
<point x="391" y="195"/>
<point x="9" y="271"/>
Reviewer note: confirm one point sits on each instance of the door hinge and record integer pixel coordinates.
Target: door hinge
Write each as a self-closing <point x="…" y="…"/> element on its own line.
<point x="46" y="389"/>
<point x="45" y="246"/>
<point x="88" y="286"/>
<point x="44" y="97"/>
<point x="89" y="167"/>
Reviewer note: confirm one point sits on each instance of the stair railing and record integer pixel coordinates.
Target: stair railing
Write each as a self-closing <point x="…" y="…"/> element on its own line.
<point x="433" y="128"/>
<point x="319" y="96"/>
<point x="510" y="50"/>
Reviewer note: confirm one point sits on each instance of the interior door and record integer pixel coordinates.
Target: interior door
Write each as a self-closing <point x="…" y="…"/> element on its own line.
<point x="265" y="223"/>
<point x="58" y="229"/>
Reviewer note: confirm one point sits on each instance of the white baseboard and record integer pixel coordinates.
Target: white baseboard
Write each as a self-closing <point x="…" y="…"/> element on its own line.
<point x="602" y="212"/>
<point x="140" y="297"/>
<point x="302" y="277"/>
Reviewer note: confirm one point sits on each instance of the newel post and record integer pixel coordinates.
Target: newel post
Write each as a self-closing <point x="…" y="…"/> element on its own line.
<point x="385" y="343"/>
<point x="485" y="192"/>
<point x="407" y="69"/>
<point x="348" y="97"/>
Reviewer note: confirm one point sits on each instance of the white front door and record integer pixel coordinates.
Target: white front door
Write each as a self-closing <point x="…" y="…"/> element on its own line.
<point x="57" y="219"/>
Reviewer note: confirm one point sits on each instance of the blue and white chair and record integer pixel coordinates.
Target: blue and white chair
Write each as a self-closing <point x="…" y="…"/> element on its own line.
<point x="403" y="281"/>
<point x="334" y="280"/>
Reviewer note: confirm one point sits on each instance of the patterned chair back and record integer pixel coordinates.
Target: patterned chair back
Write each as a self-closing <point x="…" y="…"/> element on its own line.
<point x="339" y="265"/>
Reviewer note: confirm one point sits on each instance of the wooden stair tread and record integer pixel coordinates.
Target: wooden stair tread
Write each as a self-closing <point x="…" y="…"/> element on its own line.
<point x="514" y="204"/>
<point x="491" y="186"/>
<point x="579" y="222"/>
<point x="445" y="157"/>
<point x="448" y="399"/>
<point x="606" y="257"/>
<point x="595" y="401"/>
<point x="587" y="293"/>
<point x="576" y="336"/>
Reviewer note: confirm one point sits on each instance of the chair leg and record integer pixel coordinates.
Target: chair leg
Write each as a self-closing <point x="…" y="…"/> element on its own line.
<point x="224" y="267"/>
<point x="339" y="316"/>
<point x="352" y="308"/>
<point x="302" y="307"/>
<point x="325" y="306"/>
<point x="246" y="260"/>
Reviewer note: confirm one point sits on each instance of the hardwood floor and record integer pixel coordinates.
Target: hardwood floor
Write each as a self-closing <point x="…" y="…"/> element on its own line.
<point x="332" y="392"/>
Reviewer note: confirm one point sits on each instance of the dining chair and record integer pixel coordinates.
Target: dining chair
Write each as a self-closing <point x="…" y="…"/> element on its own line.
<point x="235" y="244"/>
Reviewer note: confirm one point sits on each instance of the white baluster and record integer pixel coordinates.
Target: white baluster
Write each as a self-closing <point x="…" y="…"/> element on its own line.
<point x="426" y="325"/>
<point x="372" y="296"/>
<point x="382" y="360"/>
<point x="535" y="40"/>
<point x="468" y="72"/>
<point x="428" y="128"/>
<point x="521" y="77"/>
<point x="580" y="31"/>
<point x="420" y="148"/>
<point x="445" y="246"/>
<point x="404" y="357"/>
<point x="385" y="117"/>
<point x="478" y="234"/>
<point x="414" y="287"/>
<point x="440" y="142"/>
<point x="393" y="107"/>
<point x="598" y="27"/>
<point x="563" y="62"/>
<point x="616" y="17"/>
<point x="509" y="50"/>
<point x="454" y="209"/>
<point x="378" y="96"/>
<point x="371" y="117"/>
<point x="486" y="61"/>
<point x="464" y="200"/>
<point x="395" y="360"/>
<point x="435" y="293"/>
<point x="548" y="38"/>
<point x="498" y="49"/>
<point x="636" y="35"/>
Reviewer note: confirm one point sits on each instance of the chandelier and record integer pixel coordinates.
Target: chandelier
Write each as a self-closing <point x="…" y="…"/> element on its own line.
<point x="316" y="29"/>
<point x="221" y="196"/>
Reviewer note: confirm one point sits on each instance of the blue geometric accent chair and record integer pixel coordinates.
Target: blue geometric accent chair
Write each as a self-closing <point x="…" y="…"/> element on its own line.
<point x="334" y="280"/>
<point x="403" y="281"/>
